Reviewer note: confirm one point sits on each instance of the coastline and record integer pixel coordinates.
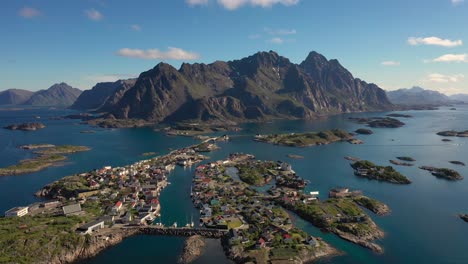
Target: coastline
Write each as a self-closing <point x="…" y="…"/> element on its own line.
<point x="47" y="155"/>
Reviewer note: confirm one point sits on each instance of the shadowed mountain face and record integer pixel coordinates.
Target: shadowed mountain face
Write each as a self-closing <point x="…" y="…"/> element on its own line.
<point x="417" y="96"/>
<point x="103" y="95"/>
<point x="60" y="94"/>
<point x="14" y="96"/>
<point x="260" y="87"/>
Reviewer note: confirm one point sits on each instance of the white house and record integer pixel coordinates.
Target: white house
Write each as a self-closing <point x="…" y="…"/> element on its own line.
<point x="17" y="212"/>
<point x="90" y="227"/>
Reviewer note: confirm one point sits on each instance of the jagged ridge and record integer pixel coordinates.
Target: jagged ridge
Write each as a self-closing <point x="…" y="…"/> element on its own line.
<point x="262" y="86"/>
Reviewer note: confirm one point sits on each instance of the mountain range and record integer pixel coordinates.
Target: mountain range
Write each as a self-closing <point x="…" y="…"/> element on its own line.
<point x="60" y="94"/>
<point x="460" y="97"/>
<point x="14" y="96"/>
<point x="259" y="87"/>
<point x="417" y="96"/>
<point x="103" y="96"/>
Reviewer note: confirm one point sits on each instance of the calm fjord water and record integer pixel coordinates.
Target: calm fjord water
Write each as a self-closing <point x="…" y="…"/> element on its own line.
<point x="423" y="226"/>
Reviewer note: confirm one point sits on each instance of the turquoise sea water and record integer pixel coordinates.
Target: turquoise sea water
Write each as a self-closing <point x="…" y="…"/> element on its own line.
<point x="423" y="226"/>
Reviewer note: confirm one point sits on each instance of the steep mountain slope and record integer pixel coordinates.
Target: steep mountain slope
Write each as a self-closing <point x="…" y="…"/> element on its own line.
<point x="102" y="95"/>
<point x="417" y="96"/>
<point x="14" y="96"/>
<point x="262" y="86"/>
<point x="60" y="94"/>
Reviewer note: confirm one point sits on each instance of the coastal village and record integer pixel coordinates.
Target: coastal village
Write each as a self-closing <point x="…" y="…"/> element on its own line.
<point x="112" y="197"/>
<point x="230" y="195"/>
<point x="105" y="202"/>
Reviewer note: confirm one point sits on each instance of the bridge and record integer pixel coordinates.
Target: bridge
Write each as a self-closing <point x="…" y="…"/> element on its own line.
<point x="181" y="231"/>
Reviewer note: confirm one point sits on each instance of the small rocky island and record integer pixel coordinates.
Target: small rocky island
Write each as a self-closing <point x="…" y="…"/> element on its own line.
<point x="453" y="133"/>
<point x="294" y="156"/>
<point x="456" y="162"/>
<point x="410" y="159"/>
<point x="26" y="126"/>
<point x="193" y="248"/>
<point x="399" y="115"/>
<point x="378" y="122"/>
<point x="47" y="155"/>
<point x="195" y="129"/>
<point x="464" y="217"/>
<point x="369" y="170"/>
<point x="444" y="173"/>
<point x="364" y="131"/>
<point x="306" y="139"/>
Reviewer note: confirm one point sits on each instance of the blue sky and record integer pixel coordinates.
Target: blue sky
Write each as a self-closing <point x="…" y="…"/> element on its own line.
<point x="397" y="43"/>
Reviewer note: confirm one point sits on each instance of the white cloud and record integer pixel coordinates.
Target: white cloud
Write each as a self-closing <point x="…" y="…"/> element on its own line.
<point x="255" y="36"/>
<point x="109" y="77"/>
<point x="135" y="27"/>
<point x="277" y="40"/>
<point x="434" y="41"/>
<point x="452" y="58"/>
<point x="196" y="2"/>
<point x="280" y="31"/>
<point x="235" y="4"/>
<point x="441" y="78"/>
<point x="93" y="14"/>
<point x="390" y="63"/>
<point x="457" y="2"/>
<point x="29" y="12"/>
<point x="155" y="54"/>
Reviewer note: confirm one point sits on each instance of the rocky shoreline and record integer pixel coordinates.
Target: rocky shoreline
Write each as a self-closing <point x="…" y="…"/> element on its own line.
<point x="89" y="249"/>
<point x="373" y="205"/>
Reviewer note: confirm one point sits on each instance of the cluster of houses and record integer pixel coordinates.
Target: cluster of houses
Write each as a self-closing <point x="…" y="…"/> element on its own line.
<point x="135" y="190"/>
<point x="288" y="178"/>
<point x="230" y="204"/>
